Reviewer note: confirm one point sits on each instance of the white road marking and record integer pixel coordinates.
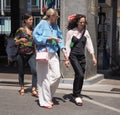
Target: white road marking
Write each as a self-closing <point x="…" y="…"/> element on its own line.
<point x="84" y="98"/>
<point x="102" y="105"/>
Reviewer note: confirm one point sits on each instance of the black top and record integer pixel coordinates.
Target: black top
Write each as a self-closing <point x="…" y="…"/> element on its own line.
<point x="79" y="46"/>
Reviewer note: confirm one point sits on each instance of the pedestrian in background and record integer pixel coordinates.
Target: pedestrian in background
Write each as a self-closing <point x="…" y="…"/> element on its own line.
<point x="11" y="50"/>
<point x="26" y="53"/>
<point x="77" y="39"/>
<point x="48" y="35"/>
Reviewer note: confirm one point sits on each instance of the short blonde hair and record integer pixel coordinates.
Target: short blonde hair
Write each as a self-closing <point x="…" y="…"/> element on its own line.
<point x="50" y="12"/>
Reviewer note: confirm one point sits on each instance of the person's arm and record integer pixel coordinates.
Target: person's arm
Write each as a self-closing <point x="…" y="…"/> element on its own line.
<point x="68" y="49"/>
<point x="23" y="40"/>
<point x="18" y="39"/>
<point x="68" y="41"/>
<point x="40" y="36"/>
<point x="89" y="46"/>
<point x="94" y="59"/>
<point x="67" y="62"/>
<point x="62" y="46"/>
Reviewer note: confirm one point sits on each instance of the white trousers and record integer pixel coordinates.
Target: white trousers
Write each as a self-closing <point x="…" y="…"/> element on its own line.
<point x="48" y="77"/>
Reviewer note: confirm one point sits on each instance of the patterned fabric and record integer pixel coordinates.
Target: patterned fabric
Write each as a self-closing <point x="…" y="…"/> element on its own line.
<point x="27" y="46"/>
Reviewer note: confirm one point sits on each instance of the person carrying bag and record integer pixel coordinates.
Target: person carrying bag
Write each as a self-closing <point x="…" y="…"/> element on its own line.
<point x="26" y="53"/>
<point x="42" y="56"/>
<point x="48" y="34"/>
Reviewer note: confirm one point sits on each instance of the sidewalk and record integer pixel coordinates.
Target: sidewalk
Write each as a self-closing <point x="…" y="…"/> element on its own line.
<point x="96" y="83"/>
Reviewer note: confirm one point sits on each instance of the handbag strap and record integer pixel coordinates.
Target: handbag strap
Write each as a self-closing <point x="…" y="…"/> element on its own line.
<point x="81" y="36"/>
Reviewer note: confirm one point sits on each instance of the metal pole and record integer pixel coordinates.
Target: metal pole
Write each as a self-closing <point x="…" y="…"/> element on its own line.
<point x="2" y="14"/>
<point x="41" y="6"/>
<point x="114" y="23"/>
<point x="2" y="8"/>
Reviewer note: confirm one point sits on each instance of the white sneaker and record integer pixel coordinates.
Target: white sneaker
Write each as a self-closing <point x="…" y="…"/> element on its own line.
<point x="78" y="101"/>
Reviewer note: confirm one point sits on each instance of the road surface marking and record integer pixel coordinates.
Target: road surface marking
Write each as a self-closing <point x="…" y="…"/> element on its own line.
<point x="102" y="105"/>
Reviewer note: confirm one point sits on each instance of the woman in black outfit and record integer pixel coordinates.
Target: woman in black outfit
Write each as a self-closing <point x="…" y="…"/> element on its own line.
<point x="77" y="39"/>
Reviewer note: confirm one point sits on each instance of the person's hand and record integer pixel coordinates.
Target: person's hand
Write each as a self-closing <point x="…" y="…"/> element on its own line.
<point x="23" y="40"/>
<point x="94" y="61"/>
<point x="67" y="63"/>
<point x="54" y="38"/>
<point x="65" y="54"/>
<point x="57" y="40"/>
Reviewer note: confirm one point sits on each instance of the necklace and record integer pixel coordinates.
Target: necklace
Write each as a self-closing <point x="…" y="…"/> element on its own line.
<point x="50" y="26"/>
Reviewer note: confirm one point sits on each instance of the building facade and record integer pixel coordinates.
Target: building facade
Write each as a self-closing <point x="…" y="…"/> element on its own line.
<point x="11" y="11"/>
<point x="102" y="16"/>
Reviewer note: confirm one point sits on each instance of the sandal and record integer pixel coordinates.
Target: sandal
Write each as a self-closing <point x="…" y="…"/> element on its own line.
<point x="52" y="103"/>
<point x="47" y="107"/>
<point x="22" y="91"/>
<point x="34" y="92"/>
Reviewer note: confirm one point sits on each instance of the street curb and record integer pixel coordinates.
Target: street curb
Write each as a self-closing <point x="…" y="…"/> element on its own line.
<point x="67" y="81"/>
<point x="94" y="79"/>
<point x="89" y="81"/>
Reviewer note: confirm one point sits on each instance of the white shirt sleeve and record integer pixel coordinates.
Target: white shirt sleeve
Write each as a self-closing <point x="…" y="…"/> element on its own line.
<point x="68" y="40"/>
<point x="89" y="44"/>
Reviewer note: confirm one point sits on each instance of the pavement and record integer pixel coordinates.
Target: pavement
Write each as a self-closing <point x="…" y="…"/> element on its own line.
<point x="101" y="96"/>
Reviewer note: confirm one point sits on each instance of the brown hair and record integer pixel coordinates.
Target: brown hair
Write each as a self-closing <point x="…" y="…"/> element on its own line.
<point x="74" y="22"/>
<point x="26" y="16"/>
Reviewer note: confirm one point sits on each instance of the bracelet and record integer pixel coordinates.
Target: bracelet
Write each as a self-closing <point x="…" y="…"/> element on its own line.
<point x="66" y="59"/>
<point x="64" y="51"/>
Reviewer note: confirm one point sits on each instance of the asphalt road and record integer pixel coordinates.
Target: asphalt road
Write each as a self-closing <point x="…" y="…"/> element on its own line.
<point x="102" y="98"/>
<point x="94" y="103"/>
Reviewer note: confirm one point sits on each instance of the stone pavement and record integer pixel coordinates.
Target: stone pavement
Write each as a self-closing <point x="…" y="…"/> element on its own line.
<point x="100" y="98"/>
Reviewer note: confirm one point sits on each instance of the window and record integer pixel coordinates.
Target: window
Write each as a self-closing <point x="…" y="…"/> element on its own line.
<point x="36" y="20"/>
<point x="5" y="25"/>
<point x="34" y="2"/>
<point x="7" y="3"/>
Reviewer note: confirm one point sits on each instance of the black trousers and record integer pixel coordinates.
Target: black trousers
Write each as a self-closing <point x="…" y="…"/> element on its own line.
<point x="78" y="63"/>
<point x="22" y="60"/>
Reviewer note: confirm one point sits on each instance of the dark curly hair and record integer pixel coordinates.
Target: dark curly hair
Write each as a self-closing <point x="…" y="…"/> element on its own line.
<point x="73" y="23"/>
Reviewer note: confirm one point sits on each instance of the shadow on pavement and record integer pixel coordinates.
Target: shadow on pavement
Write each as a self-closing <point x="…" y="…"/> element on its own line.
<point x="12" y="67"/>
<point x="55" y="100"/>
<point x="4" y="68"/>
<point x="109" y="74"/>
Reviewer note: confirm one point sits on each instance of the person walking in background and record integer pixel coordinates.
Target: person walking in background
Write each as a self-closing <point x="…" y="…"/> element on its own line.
<point x="48" y="35"/>
<point x="11" y="50"/>
<point x="77" y="39"/>
<point x="26" y="54"/>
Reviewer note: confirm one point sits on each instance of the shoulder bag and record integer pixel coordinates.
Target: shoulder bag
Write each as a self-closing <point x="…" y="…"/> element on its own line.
<point x="42" y="56"/>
